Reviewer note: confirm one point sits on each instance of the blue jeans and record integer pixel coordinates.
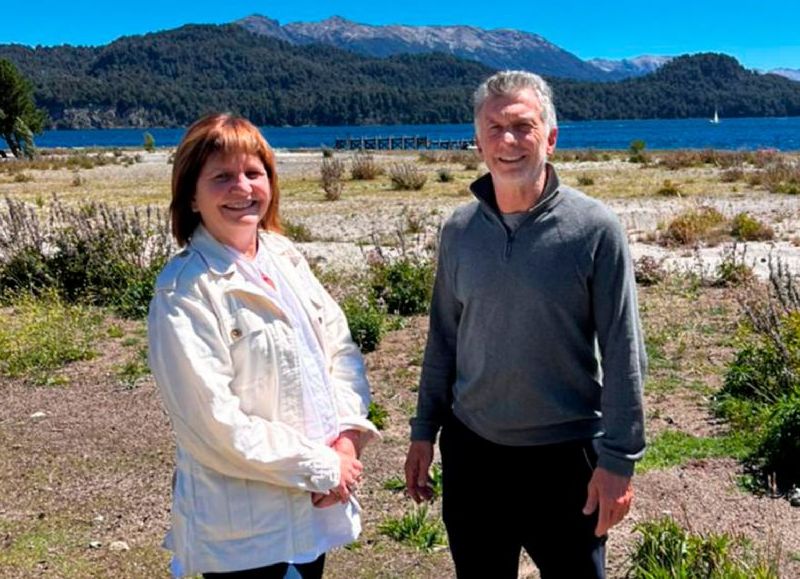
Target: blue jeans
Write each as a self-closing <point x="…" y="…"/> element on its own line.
<point x="500" y="499"/>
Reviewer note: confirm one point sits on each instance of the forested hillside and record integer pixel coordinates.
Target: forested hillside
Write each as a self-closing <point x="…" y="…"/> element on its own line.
<point x="170" y="78"/>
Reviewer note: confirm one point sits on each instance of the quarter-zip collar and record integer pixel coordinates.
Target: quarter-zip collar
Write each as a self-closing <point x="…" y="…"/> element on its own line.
<point x="483" y="189"/>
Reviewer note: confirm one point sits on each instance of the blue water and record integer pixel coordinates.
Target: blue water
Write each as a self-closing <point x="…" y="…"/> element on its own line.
<point x="735" y="134"/>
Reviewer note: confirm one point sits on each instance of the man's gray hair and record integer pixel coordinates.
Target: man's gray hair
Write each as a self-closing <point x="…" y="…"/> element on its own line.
<point x="508" y="83"/>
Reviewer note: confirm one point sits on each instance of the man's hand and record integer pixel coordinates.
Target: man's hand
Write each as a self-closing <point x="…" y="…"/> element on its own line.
<point x="418" y="461"/>
<point x="613" y="493"/>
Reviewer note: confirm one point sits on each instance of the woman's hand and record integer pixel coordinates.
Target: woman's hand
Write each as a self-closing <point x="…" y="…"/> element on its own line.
<point x="350" y="471"/>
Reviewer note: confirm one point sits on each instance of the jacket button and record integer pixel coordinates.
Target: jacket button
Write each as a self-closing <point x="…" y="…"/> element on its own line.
<point x="236" y="333"/>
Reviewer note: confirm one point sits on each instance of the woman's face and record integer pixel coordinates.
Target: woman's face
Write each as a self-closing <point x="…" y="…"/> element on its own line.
<point x="232" y="196"/>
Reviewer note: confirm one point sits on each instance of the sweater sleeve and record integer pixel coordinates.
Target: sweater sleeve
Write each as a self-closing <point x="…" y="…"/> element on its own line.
<point x="622" y="351"/>
<point x="193" y="369"/>
<point x="439" y="364"/>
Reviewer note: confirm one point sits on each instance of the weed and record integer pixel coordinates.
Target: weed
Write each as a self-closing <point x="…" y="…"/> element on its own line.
<point x="444" y="175"/>
<point x="364" y="167"/>
<point x="585" y="181"/>
<point x="416" y="529"/>
<point x="732" y="175"/>
<point x="407" y="177"/>
<point x="668" y="551"/>
<point x="648" y="270"/>
<point x="745" y="227"/>
<point x="637" y="154"/>
<point x="404" y="284"/>
<point x="132" y="372"/>
<point x="331" y="173"/>
<point x="366" y="321"/>
<point x="378" y="415"/>
<point x="23" y="178"/>
<point x="148" y="142"/>
<point x="40" y="335"/>
<point x="296" y="231"/>
<point x="733" y="269"/>
<point x="694" y="225"/>
<point x="669" y="189"/>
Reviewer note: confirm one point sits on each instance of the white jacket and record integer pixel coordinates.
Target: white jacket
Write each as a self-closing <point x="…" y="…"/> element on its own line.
<point x="227" y="367"/>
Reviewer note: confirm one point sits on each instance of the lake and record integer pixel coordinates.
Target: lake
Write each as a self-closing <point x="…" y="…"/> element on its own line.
<point x="733" y="134"/>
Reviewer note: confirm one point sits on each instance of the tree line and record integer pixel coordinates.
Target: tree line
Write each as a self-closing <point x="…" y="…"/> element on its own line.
<point x="171" y="78"/>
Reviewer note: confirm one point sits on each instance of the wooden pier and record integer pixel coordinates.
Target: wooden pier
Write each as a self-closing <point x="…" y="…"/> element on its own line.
<point x="401" y="143"/>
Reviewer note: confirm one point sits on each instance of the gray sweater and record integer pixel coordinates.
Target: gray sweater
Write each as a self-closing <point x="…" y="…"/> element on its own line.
<point x="534" y="334"/>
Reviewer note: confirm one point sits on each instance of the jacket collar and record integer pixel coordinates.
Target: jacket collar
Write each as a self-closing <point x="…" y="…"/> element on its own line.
<point x="221" y="262"/>
<point x="483" y="189"/>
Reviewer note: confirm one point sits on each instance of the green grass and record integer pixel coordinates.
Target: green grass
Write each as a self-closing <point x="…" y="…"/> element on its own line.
<point x="673" y="448"/>
<point x="40" y="335"/>
<point x="416" y="529"/>
<point x="135" y="369"/>
<point x="378" y="415"/>
<point x="667" y="551"/>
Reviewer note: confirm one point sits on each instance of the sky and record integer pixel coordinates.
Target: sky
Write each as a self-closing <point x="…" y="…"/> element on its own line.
<point x="762" y="35"/>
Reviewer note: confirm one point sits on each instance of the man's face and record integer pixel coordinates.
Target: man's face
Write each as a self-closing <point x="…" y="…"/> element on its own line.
<point x="513" y="140"/>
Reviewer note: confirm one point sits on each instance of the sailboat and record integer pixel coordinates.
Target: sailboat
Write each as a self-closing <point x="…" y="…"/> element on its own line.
<point x="715" y="119"/>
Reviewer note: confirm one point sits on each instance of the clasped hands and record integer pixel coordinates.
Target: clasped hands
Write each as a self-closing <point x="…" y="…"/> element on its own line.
<point x="347" y="446"/>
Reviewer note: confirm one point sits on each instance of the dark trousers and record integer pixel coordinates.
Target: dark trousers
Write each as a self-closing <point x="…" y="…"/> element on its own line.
<point x="311" y="570"/>
<point x="500" y="499"/>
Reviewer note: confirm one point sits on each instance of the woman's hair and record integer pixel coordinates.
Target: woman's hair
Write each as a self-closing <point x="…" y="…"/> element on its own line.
<point x="216" y="133"/>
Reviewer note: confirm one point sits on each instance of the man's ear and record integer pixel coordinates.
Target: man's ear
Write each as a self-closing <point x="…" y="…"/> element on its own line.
<point x="478" y="145"/>
<point x="551" y="141"/>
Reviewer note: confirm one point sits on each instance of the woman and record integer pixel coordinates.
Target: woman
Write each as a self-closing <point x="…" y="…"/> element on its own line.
<point x="264" y="386"/>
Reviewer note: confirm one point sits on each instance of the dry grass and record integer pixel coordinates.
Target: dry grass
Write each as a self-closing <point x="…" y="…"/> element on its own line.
<point x="80" y="475"/>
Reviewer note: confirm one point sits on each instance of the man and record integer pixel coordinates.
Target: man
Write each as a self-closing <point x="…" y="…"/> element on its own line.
<point x="535" y="360"/>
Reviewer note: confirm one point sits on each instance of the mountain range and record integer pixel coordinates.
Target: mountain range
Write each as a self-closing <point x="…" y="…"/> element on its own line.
<point x="170" y="78"/>
<point x="497" y="49"/>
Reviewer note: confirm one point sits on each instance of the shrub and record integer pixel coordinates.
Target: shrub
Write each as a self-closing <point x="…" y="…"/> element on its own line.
<point x="416" y="529"/>
<point x="327" y="153"/>
<point x="777" y="456"/>
<point x="92" y="254"/>
<point x="691" y="226"/>
<point x="669" y="189"/>
<point x="331" y="173"/>
<point x="407" y="177"/>
<point x="649" y="270"/>
<point x="41" y="334"/>
<point x="364" y="167"/>
<point x="637" y="154"/>
<point x="149" y="142"/>
<point x="366" y="321"/>
<point x="666" y="550"/>
<point x="747" y="228"/>
<point x="296" y="231"/>
<point x="733" y="269"/>
<point x="731" y="175"/>
<point x="585" y="181"/>
<point x="403" y="285"/>
<point x="444" y="175"/>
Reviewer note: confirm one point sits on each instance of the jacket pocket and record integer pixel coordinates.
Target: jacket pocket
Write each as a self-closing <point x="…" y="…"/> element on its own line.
<point x="255" y="350"/>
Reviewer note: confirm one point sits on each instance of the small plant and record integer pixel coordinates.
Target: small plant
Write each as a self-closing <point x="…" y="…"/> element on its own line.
<point x="378" y="415"/>
<point x="331" y="172"/>
<point x="149" y="142"/>
<point x="585" y="181"/>
<point x="733" y="269"/>
<point x="416" y="529"/>
<point x="77" y="180"/>
<point x="444" y="175"/>
<point x="404" y="285"/>
<point x="40" y="335"/>
<point x="777" y="454"/>
<point x="364" y="167"/>
<point x="132" y="372"/>
<point x="648" y="270"/>
<point x="407" y="177"/>
<point x="366" y="320"/>
<point x="23" y="178"/>
<point x="694" y="225"/>
<point x="637" y="154"/>
<point x="327" y="153"/>
<point x="296" y="231"/>
<point x="745" y="227"/>
<point x="732" y="175"/>
<point x="669" y="189"/>
<point x="668" y="551"/>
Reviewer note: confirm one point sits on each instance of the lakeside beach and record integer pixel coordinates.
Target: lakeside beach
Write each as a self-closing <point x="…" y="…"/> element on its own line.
<point x="86" y="462"/>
